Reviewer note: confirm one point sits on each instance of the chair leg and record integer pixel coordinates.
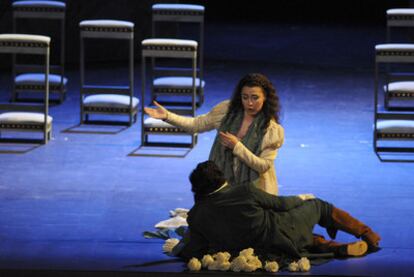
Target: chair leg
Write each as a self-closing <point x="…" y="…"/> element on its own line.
<point x="386" y="101"/>
<point x="61" y="97"/>
<point x="131" y="120"/>
<point x="14" y="96"/>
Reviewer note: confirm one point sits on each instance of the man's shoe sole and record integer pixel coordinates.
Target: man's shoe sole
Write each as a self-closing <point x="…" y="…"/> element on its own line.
<point x="356" y="249"/>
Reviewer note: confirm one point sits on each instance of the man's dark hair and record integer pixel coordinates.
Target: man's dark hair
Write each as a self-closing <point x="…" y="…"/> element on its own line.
<point x="206" y="178"/>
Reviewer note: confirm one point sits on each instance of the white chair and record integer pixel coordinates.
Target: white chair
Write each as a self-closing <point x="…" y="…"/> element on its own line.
<point x="27" y="117"/>
<point x="28" y="78"/>
<point x="177" y="49"/>
<point x="105" y="99"/>
<point x="170" y="81"/>
<point x="401" y="89"/>
<point x="391" y="126"/>
<point x="399" y="18"/>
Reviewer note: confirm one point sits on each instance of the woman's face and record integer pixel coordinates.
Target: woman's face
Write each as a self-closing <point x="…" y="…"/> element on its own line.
<point x="252" y="99"/>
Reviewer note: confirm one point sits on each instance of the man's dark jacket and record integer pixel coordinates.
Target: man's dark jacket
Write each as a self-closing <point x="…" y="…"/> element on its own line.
<point x="238" y="217"/>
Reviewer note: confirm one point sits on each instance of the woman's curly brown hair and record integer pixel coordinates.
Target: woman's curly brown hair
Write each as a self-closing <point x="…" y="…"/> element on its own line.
<point x="271" y="106"/>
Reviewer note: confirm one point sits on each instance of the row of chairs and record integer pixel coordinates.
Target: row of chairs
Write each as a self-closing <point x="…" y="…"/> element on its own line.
<point x="170" y="78"/>
<point x="394" y="90"/>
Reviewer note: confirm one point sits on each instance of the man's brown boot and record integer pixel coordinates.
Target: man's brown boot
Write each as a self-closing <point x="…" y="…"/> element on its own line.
<point x="354" y="249"/>
<point x="345" y="222"/>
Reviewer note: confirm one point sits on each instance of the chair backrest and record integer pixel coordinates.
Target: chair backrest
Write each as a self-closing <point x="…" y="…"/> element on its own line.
<point x="181" y="14"/>
<point x="399" y="18"/>
<point x="106" y="29"/>
<point x="30" y="45"/>
<point x="54" y="11"/>
<point x="169" y="48"/>
<point x="39" y="9"/>
<point x="24" y="44"/>
<point x="111" y="29"/>
<point x="177" y="13"/>
<point x="394" y="53"/>
<point x="172" y="49"/>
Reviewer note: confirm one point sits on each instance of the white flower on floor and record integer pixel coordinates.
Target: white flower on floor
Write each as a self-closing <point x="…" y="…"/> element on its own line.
<point x="207" y="260"/>
<point x="246" y="261"/>
<point x="304" y="264"/>
<point x="222" y="256"/>
<point x="293" y="267"/>
<point x="221" y="261"/>
<point x="253" y="263"/>
<point x="271" y="266"/>
<point x="238" y="263"/>
<point x="247" y="252"/>
<point x="169" y="245"/>
<point x="194" y="264"/>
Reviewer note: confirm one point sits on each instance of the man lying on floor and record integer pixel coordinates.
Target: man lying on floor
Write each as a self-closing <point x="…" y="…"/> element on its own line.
<point x="232" y="218"/>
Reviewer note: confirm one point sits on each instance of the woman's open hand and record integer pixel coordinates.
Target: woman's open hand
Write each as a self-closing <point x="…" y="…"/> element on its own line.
<point x="228" y="140"/>
<point x="158" y="113"/>
<point x="306" y="196"/>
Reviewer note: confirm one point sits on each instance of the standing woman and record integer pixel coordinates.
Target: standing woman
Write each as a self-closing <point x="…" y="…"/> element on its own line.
<point x="249" y="133"/>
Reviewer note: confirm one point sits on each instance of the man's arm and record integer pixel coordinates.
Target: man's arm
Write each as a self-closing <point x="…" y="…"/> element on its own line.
<point x="191" y="245"/>
<point x="276" y="203"/>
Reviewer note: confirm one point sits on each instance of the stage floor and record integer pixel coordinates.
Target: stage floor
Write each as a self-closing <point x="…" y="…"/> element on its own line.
<point x="81" y="202"/>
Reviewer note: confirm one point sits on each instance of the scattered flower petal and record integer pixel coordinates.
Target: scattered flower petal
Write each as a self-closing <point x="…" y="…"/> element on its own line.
<point x="304" y="264"/>
<point x="207" y="260"/>
<point x="194" y="264"/>
<point x="293" y="267"/>
<point x="247" y="252"/>
<point x="271" y="266"/>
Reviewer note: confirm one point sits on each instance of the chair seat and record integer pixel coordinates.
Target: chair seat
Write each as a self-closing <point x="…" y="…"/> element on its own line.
<point x="396" y="126"/>
<point x="400" y="12"/>
<point x="109" y="100"/>
<point x="24" y="118"/>
<point x="39" y="4"/>
<point x="395" y="47"/>
<point x="23" y="38"/>
<point x="176" y="82"/>
<point x="159" y="126"/>
<point x="165" y="42"/>
<point x="157" y="123"/>
<point x="106" y="23"/>
<point x="178" y="7"/>
<point x="405" y="86"/>
<point x="38" y="79"/>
